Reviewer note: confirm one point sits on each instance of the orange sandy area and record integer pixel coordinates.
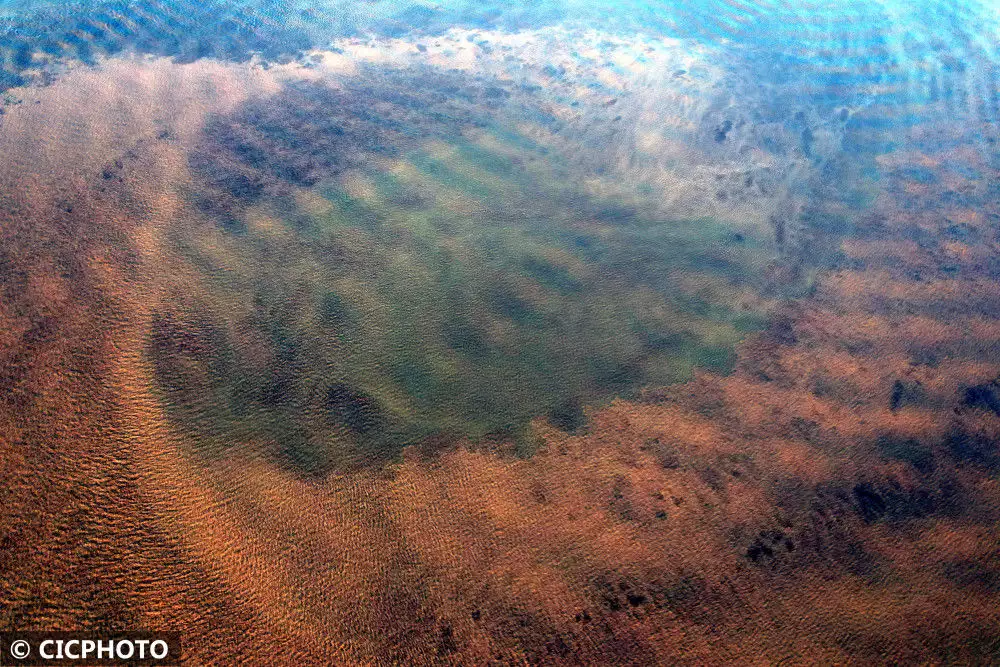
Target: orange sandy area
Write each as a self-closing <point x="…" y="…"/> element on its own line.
<point x="717" y="521"/>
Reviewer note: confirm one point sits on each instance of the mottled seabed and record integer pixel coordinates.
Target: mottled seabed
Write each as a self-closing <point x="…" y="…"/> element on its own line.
<point x="493" y="347"/>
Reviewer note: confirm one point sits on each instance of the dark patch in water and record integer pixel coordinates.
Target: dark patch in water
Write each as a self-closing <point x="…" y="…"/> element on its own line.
<point x="983" y="396"/>
<point x="551" y="275"/>
<point x="909" y="450"/>
<point x="463" y="337"/>
<point x="568" y="415"/>
<point x="722" y="131"/>
<point x="982" y="575"/>
<point x="906" y="393"/>
<point x="971" y="447"/>
<point x="506" y="302"/>
<point x="870" y="503"/>
<point x="311" y="131"/>
<point x="353" y="408"/>
<point x="334" y="311"/>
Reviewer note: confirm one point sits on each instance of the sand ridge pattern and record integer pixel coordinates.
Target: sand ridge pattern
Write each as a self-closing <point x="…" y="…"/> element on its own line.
<point x="834" y="499"/>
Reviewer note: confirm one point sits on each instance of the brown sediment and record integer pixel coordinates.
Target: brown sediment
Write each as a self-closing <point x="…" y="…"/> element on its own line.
<point x="833" y="500"/>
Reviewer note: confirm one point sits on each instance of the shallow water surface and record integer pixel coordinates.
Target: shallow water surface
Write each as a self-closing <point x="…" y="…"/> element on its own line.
<point x="460" y="333"/>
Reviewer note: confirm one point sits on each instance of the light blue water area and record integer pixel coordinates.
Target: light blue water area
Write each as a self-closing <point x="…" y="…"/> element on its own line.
<point x="891" y="63"/>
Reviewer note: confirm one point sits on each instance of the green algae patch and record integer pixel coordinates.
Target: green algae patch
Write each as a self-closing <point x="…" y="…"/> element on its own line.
<point x="455" y="289"/>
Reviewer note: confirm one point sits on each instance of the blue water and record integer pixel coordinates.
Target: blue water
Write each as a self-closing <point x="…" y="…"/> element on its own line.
<point x="893" y="64"/>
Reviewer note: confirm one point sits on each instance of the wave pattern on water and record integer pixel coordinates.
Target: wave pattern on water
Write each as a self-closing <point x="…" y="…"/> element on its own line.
<point x="309" y="361"/>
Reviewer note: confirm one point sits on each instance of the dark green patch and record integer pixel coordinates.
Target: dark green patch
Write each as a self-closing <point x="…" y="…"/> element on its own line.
<point x="353" y="408"/>
<point x="568" y="415"/>
<point x="406" y="319"/>
<point x="717" y="359"/>
<point x="334" y="311"/>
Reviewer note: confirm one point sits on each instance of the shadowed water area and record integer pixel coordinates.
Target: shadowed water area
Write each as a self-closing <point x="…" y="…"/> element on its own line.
<point x="459" y="333"/>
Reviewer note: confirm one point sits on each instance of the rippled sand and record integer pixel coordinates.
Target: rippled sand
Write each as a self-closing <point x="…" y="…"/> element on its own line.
<point x="833" y="499"/>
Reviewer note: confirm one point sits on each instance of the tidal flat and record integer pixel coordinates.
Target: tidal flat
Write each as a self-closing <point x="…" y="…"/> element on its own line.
<point x="468" y="335"/>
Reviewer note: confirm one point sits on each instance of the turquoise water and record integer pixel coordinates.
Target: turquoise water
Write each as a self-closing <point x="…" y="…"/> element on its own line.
<point x="891" y="63"/>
